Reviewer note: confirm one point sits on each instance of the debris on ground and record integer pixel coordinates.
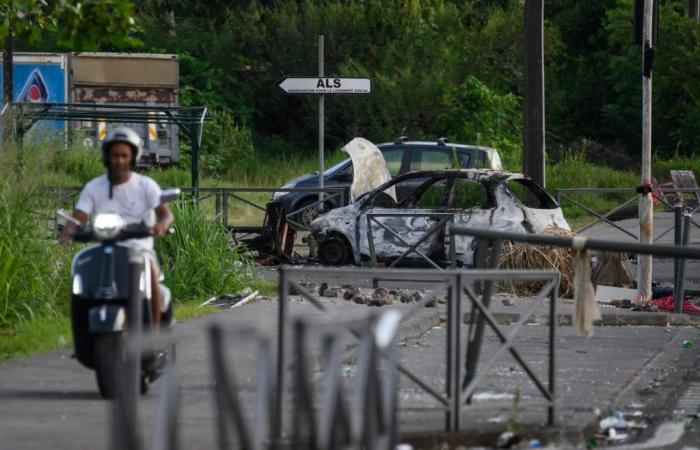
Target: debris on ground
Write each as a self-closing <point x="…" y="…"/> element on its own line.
<point x="527" y="256"/>
<point x="614" y="269"/>
<point x="668" y="303"/>
<point x="604" y="293"/>
<point x="613" y="428"/>
<point x="617" y="427"/>
<point x="379" y="296"/>
<point x="231" y="300"/>
<point x="507" y="439"/>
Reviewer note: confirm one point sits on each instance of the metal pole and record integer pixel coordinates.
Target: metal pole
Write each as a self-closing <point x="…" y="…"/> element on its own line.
<point x="680" y="288"/>
<point x="449" y="370"/>
<point x="677" y="238"/>
<point x="195" y="161"/>
<point x="645" y="200"/>
<point x="533" y="98"/>
<point x="321" y="123"/>
<point x="279" y="388"/>
<point x="552" y="352"/>
<point x="456" y="351"/>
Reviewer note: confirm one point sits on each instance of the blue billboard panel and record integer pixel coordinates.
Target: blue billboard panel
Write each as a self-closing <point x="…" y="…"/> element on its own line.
<point x="40" y="79"/>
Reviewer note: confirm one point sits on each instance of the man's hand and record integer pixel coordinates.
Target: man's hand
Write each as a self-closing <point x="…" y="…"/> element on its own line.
<point x="70" y="227"/>
<point x="161" y="229"/>
<point x="67" y="233"/>
<point x="165" y="220"/>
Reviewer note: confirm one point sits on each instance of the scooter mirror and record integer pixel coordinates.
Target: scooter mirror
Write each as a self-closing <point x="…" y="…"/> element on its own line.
<point x="169" y="195"/>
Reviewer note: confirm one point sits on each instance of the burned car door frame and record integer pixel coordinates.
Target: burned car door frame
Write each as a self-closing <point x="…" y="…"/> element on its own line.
<point x="414" y="227"/>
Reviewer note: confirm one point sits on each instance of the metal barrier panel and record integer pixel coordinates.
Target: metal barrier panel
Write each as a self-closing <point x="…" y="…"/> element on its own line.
<point x="438" y="230"/>
<point x="567" y="195"/>
<point x="459" y="384"/>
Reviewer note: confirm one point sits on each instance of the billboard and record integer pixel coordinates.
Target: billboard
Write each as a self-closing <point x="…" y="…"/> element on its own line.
<point x="40" y="78"/>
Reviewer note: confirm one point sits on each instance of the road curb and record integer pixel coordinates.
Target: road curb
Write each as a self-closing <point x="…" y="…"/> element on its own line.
<point x="610" y="319"/>
<point x="418" y="326"/>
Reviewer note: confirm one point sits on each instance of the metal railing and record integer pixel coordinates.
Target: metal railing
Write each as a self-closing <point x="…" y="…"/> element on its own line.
<point x="459" y="385"/>
<point x="439" y="229"/>
<point x="567" y="195"/>
<point x="225" y="199"/>
<point x="326" y="414"/>
<point x="495" y="239"/>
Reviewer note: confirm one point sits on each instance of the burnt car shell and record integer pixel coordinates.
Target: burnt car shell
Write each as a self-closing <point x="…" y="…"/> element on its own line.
<point x="478" y="198"/>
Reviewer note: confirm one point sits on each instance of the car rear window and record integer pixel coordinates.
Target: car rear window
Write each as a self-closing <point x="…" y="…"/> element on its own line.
<point x="470" y="194"/>
<point x="430" y="159"/>
<point x="531" y="194"/>
<point x="393" y="158"/>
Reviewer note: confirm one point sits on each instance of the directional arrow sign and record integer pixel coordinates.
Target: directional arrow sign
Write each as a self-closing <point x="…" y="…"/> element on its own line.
<point x="326" y="85"/>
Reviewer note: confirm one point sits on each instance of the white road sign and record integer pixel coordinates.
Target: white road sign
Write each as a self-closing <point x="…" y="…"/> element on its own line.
<point x="326" y="85"/>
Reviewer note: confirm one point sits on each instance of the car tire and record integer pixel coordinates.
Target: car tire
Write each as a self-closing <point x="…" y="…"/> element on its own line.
<point x="334" y="251"/>
<point x="306" y="217"/>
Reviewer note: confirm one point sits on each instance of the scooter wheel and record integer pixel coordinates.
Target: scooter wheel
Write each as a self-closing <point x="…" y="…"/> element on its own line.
<point x="108" y="354"/>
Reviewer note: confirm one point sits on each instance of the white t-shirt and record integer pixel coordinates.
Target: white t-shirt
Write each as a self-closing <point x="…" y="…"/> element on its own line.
<point x="134" y="200"/>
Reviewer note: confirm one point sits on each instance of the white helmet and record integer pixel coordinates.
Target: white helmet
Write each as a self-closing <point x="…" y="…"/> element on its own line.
<point x="126" y="135"/>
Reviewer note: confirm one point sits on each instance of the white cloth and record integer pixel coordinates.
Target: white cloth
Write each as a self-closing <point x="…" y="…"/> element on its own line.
<point x="135" y="201"/>
<point x="369" y="168"/>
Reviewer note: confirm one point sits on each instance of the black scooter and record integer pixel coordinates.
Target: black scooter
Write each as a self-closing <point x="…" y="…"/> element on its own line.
<point x="111" y="296"/>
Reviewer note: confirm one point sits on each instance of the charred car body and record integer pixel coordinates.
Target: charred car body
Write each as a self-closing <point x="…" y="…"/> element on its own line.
<point x="475" y="198"/>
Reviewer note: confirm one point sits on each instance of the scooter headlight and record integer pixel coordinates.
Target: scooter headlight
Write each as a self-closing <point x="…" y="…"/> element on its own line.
<point x="107" y="226"/>
<point x="77" y="285"/>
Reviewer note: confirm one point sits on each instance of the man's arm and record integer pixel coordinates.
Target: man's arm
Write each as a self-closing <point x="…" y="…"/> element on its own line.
<point x="165" y="220"/>
<point x="70" y="227"/>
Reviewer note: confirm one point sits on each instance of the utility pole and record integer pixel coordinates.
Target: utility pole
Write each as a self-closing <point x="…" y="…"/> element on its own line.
<point x="321" y="120"/>
<point x="646" y="224"/>
<point x="533" y="99"/>
<point x="693" y="9"/>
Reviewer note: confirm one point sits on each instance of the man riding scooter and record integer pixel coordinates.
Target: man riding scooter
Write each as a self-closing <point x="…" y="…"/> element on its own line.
<point x="134" y="197"/>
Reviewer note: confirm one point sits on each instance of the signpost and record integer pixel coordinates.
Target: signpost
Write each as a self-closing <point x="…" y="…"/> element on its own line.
<point x="322" y="85"/>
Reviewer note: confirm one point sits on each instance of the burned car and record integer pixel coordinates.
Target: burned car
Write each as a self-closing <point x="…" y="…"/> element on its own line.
<point x="411" y="204"/>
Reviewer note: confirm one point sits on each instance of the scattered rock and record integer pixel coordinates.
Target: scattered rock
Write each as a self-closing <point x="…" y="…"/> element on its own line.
<point x="322" y="290"/>
<point x="311" y="288"/>
<point x="334" y="292"/>
<point x="349" y="293"/>
<point x="405" y="297"/>
<point x="381" y="297"/>
<point x="360" y="299"/>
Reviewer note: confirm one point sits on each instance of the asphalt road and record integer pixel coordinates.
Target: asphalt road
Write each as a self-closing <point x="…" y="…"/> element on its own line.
<point x="50" y="401"/>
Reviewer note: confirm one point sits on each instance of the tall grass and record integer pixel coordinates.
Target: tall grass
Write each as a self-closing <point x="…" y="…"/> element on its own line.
<point x="199" y="260"/>
<point x="33" y="271"/>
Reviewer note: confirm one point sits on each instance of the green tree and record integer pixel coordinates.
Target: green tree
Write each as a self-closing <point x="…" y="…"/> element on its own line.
<point x="80" y="25"/>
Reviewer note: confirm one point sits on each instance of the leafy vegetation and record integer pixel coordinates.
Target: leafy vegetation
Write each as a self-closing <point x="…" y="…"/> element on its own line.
<point x="198" y="259"/>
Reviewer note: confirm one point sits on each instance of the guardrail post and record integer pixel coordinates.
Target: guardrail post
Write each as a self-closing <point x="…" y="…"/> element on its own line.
<point x="225" y="193"/>
<point x="281" y="326"/>
<point x="679" y="288"/>
<point x="677" y="239"/>
<point x="552" y="352"/>
<point x="217" y="205"/>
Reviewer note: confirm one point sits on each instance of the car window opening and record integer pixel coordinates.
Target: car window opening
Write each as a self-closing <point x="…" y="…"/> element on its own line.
<point x="531" y="194"/>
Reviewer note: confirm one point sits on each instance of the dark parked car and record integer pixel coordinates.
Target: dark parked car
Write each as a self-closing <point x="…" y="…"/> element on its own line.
<point x="401" y="156"/>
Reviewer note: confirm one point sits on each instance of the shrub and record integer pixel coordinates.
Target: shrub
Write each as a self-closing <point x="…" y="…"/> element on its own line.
<point x="199" y="260"/>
